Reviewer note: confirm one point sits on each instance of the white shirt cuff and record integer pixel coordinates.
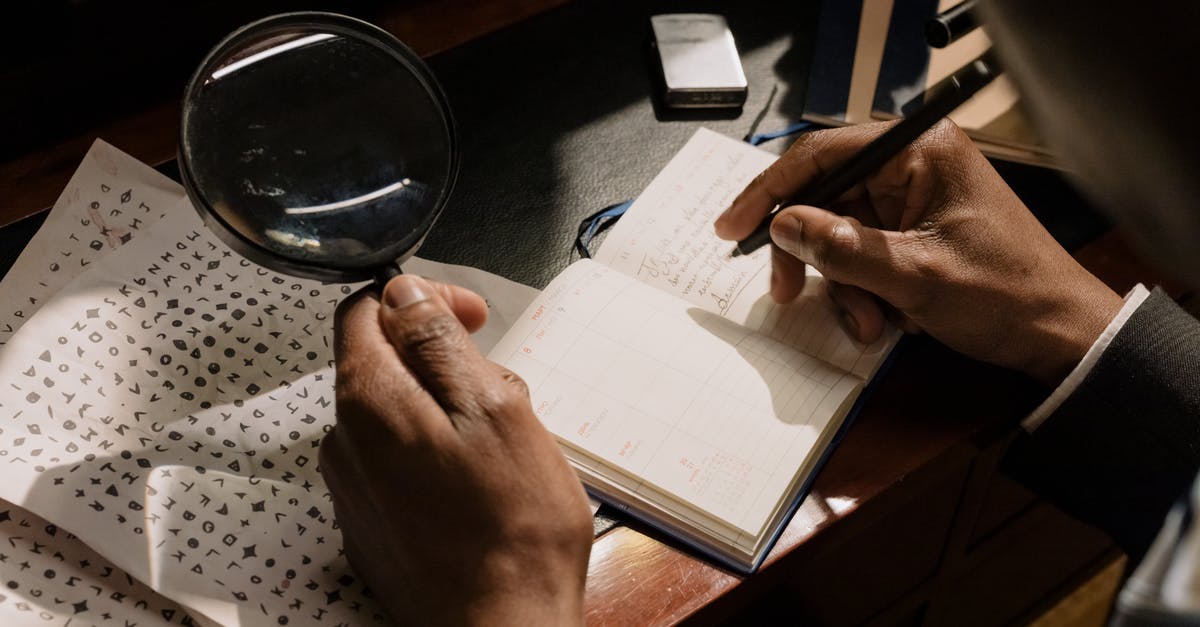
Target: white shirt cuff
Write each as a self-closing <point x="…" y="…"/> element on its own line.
<point x="1133" y="300"/>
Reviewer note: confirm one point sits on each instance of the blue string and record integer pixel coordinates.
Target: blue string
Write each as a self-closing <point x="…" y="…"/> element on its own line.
<point x="597" y="222"/>
<point x="798" y="127"/>
<point x="614" y="211"/>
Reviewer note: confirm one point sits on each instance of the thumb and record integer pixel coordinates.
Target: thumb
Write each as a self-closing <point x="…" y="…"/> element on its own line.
<point x="432" y="342"/>
<point x="841" y="248"/>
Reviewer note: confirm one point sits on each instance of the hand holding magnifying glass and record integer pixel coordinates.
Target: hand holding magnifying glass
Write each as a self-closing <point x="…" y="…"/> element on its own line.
<point x="320" y="146"/>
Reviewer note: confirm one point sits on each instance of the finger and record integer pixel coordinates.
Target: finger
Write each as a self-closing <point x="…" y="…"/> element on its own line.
<point x="340" y="469"/>
<point x="511" y="379"/>
<point x="376" y="393"/>
<point x="359" y="478"/>
<point x="787" y="276"/>
<point x="515" y="392"/>
<point x="861" y="314"/>
<point x="435" y="346"/>
<point x="811" y="156"/>
<point x="844" y="250"/>
<point x="469" y="307"/>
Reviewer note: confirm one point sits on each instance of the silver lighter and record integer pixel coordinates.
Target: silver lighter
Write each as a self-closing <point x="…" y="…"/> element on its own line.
<point x="699" y="60"/>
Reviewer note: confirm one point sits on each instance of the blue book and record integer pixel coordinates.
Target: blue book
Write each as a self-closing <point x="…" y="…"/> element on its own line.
<point x="871" y="62"/>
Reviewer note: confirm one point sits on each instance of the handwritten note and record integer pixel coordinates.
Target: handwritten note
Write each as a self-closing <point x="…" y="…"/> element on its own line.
<point x="666" y="240"/>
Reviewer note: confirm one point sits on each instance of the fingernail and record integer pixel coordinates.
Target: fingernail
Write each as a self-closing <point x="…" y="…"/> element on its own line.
<point x="785" y="232"/>
<point x="404" y="291"/>
<point x="849" y="324"/>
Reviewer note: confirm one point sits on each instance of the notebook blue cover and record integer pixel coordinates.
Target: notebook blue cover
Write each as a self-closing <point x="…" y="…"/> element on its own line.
<point x="832" y="59"/>
<point x="905" y="66"/>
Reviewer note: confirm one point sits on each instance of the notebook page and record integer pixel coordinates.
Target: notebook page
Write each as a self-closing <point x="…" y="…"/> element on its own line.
<point x="676" y="396"/>
<point x="666" y="240"/>
<point x="108" y="201"/>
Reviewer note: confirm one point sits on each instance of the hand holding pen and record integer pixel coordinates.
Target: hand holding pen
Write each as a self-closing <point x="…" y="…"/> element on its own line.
<point x="940" y="100"/>
<point x="933" y="241"/>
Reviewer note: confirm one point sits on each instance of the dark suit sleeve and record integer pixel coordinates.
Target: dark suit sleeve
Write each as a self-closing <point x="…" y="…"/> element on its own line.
<point x="1126" y="445"/>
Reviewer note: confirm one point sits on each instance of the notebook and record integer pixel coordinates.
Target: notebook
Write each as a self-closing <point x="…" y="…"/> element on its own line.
<point x="676" y="387"/>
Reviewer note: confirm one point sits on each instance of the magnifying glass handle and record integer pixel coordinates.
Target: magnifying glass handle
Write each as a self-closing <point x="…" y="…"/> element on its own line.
<point x="387" y="273"/>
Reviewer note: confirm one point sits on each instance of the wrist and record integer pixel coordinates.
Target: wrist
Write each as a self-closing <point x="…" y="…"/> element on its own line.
<point x="536" y="606"/>
<point x="525" y="609"/>
<point x="515" y="590"/>
<point x="1066" y="327"/>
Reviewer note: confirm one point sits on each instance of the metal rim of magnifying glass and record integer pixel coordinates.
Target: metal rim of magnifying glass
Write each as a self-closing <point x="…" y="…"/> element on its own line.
<point x="342" y="25"/>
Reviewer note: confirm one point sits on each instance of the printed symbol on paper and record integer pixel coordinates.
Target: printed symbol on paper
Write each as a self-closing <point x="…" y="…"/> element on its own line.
<point x="114" y="236"/>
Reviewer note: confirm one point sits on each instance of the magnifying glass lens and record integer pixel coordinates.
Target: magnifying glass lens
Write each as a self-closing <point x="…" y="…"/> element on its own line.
<point x="317" y="145"/>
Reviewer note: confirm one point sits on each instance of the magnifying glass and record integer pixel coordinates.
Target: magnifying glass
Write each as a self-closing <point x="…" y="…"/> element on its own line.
<point x="317" y="145"/>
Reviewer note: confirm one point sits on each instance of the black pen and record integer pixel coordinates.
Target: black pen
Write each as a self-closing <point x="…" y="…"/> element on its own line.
<point x="940" y="100"/>
<point x="946" y="28"/>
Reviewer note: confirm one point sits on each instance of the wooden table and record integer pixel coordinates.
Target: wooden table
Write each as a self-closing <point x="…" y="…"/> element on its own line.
<point x="909" y="523"/>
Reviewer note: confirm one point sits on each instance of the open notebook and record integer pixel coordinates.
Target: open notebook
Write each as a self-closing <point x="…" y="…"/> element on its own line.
<point x="677" y="388"/>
